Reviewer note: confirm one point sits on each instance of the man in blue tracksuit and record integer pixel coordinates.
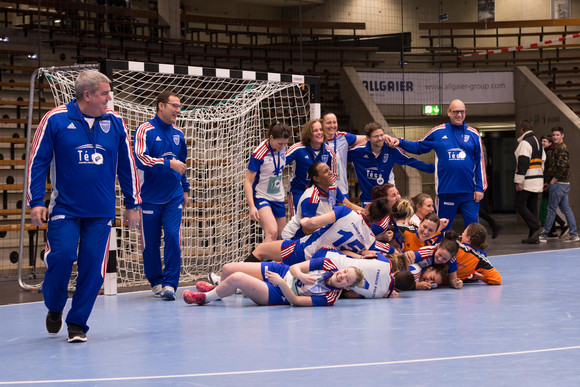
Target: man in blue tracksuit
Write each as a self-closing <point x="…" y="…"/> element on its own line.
<point x="460" y="179"/>
<point x="373" y="161"/>
<point x="161" y="154"/>
<point x="86" y="145"/>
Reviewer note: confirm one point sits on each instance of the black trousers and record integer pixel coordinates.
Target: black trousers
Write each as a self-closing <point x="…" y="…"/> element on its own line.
<point x="526" y="205"/>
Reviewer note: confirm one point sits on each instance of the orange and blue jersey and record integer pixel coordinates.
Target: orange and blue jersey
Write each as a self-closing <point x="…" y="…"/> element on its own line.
<point x="471" y="260"/>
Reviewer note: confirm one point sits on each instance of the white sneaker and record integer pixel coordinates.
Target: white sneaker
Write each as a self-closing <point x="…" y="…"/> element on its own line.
<point x="168" y="293"/>
<point x="157" y="290"/>
<point x="213" y="278"/>
<point x="571" y="238"/>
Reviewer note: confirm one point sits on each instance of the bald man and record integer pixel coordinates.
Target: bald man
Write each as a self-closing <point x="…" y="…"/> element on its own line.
<point x="460" y="179"/>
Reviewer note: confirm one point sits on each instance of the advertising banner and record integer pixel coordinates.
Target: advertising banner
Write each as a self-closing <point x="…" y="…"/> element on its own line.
<point x="434" y="88"/>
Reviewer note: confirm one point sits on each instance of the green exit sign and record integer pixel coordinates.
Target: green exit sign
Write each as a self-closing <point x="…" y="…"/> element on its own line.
<point x="431" y="110"/>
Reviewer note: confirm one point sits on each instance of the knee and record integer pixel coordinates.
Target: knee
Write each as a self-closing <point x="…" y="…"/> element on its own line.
<point x="228" y="269"/>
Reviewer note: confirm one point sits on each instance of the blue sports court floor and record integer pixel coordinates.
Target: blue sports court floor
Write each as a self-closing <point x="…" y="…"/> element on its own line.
<point x="525" y="332"/>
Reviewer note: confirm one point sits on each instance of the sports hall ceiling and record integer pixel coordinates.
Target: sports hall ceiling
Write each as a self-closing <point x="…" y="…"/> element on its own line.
<point x="285" y="3"/>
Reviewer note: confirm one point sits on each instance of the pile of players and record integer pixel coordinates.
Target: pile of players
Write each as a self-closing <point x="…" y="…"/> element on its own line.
<point x="332" y="247"/>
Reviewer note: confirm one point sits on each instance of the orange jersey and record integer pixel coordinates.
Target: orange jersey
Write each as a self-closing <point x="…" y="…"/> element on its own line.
<point x="470" y="260"/>
<point x="411" y="241"/>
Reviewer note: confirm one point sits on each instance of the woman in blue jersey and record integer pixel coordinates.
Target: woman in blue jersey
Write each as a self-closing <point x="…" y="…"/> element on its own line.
<point x="317" y="282"/>
<point x="263" y="185"/>
<point x="311" y="148"/>
<point x="340" y="142"/>
<point x="319" y="198"/>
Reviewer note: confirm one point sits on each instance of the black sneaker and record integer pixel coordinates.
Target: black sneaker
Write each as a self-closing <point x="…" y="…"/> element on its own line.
<point x="76" y="334"/>
<point x="531" y="241"/>
<point x="54" y="322"/>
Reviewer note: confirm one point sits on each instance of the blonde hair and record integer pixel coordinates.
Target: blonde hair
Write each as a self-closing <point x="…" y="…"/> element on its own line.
<point x="360" y="277"/>
<point x="402" y="209"/>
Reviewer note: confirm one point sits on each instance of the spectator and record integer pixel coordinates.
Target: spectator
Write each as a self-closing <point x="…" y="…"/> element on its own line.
<point x="528" y="178"/>
<point x="549" y="146"/>
<point x="559" y="187"/>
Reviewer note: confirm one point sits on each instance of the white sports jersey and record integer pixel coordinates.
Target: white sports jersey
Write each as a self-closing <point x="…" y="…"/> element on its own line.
<point x="268" y="166"/>
<point x="313" y="202"/>
<point x="378" y="279"/>
<point x="350" y="231"/>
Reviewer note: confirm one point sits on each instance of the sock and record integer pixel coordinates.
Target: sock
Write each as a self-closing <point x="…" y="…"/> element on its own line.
<point x="251" y="258"/>
<point x="211" y="296"/>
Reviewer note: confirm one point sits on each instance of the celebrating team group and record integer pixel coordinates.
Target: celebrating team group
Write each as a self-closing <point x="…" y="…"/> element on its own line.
<point x="333" y="247"/>
<point x="330" y="248"/>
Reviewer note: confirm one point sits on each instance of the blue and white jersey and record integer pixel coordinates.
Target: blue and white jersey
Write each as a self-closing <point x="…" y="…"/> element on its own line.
<point x="156" y="144"/>
<point x="424" y="257"/>
<point x="379" y="282"/>
<point x="374" y="170"/>
<point x="268" y="165"/>
<point x="350" y="231"/>
<point x="340" y="144"/>
<point x="84" y="163"/>
<point x="320" y="292"/>
<point x="303" y="157"/>
<point x="314" y="201"/>
<point x="459" y="161"/>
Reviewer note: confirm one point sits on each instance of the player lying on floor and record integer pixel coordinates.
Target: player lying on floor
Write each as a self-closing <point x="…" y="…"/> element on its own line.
<point x="342" y="229"/>
<point x="317" y="282"/>
<point x="472" y="262"/>
<point x="443" y="252"/>
<point x="382" y="275"/>
<point x="429" y="277"/>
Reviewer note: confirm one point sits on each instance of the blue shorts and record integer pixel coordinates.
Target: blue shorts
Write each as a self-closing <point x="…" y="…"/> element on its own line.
<point x="292" y="252"/>
<point x="275" y="294"/>
<point x="278" y="208"/>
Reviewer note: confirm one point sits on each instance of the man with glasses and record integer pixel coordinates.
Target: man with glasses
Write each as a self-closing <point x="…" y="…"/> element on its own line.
<point x="373" y="161"/>
<point x="460" y="179"/>
<point x="161" y="153"/>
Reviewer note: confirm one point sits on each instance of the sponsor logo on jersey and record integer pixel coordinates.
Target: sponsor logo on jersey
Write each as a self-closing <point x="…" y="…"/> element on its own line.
<point x="148" y="212"/>
<point x="448" y="203"/>
<point x="57" y="217"/>
<point x="456" y="154"/>
<point x="105" y="125"/>
<point x="176" y="139"/>
<point x="444" y="137"/>
<point x="158" y="138"/>
<point x="71" y="126"/>
<point x="110" y="223"/>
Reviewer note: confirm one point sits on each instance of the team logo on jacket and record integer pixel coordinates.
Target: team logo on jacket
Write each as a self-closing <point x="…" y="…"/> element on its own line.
<point x="465" y="137"/>
<point x="385" y="157"/>
<point x="456" y="154"/>
<point x="105" y="125"/>
<point x="176" y="139"/>
<point x="324" y="158"/>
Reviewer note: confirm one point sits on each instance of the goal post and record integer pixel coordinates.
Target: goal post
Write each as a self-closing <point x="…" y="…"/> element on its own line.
<point x="224" y="116"/>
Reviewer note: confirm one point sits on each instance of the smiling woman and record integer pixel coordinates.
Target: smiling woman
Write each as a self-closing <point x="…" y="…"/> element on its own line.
<point x="311" y="148"/>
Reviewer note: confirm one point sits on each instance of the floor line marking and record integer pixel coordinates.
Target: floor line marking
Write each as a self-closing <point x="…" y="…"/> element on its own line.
<point x="231" y="373"/>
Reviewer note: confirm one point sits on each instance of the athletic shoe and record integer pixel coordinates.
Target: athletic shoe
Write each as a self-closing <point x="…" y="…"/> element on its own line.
<point x="553" y="234"/>
<point x="571" y="238"/>
<point x="213" y="278"/>
<point x="204" y="287"/>
<point x="496" y="228"/>
<point x="76" y="334"/>
<point x="537" y="233"/>
<point x="531" y="241"/>
<point x="543" y="239"/>
<point x="193" y="298"/>
<point x="565" y="231"/>
<point x="54" y="322"/>
<point x="168" y="293"/>
<point x="157" y="290"/>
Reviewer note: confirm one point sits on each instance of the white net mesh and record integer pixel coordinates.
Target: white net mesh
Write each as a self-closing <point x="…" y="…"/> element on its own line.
<point x="223" y="120"/>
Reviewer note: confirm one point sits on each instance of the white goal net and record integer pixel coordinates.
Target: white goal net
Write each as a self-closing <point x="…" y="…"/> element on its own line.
<point x="224" y="116"/>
